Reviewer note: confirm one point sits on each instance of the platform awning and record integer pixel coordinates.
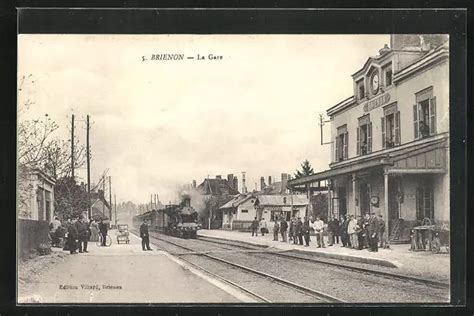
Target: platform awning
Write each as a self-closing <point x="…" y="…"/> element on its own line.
<point x="427" y="156"/>
<point x="348" y="169"/>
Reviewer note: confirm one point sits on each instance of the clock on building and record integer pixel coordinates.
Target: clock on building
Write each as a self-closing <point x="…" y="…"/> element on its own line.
<point x="375" y="82"/>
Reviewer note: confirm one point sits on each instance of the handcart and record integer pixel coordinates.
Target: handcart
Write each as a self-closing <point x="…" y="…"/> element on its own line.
<point x="122" y="233"/>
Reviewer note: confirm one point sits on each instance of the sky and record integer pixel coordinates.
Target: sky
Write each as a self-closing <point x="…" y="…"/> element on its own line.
<point x="159" y="124"/>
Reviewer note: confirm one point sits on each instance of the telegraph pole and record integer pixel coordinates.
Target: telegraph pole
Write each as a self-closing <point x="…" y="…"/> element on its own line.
<point x="88" y="166"/>
<point x="103" y="195"/>
<point x="72" y="147"/>
<point x="110" y="199"/>
<point x="115" y="207"/>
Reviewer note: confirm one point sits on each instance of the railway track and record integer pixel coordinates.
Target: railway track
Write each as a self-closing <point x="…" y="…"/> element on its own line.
<point x="286" y="288"/>
<point x="333" y="262"/>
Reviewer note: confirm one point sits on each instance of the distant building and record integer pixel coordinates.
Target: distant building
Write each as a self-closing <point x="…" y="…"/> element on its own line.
<point x="272" y="188"/>
<point x="239" y="212"/>
<point x="215" y="193"/>
<point x="99" y="206"/>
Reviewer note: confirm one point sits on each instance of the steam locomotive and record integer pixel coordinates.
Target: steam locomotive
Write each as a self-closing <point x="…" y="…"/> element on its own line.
<point x="178" y="220"/>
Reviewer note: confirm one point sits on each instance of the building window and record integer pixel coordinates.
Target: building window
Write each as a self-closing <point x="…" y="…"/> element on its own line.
<point x="391" y="126"/>
<point x="364" y="136"/>
<point x="342" y="143"/>
<point x="48" y="205"/>
<point x="40" y="203"/>
<point x="387" y="70"/>
<point x="244" y="211"/>
<point x="424" y="114"/>
<point x="425" y="202"/>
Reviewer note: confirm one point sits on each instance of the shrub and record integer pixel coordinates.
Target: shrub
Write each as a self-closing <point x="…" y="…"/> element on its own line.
<point x="44" y="249"/>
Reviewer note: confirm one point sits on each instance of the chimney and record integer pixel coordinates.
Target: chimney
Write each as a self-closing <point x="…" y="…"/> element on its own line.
<point x="244" y="188"/>
<point x="269" y="180"/>
<point x="194" y="183"/>
<point x="284" y="182"/>
<point x="230" y="180"/>
<point x="262" y="183"/>
<point x="236" y="184"/>
<point x="218" y="176"/>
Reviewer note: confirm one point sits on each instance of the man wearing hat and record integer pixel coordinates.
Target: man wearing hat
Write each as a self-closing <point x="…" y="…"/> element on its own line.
<point x="373" y="232"/>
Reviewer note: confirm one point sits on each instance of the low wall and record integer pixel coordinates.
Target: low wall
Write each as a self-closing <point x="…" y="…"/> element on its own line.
<point x="30" y="235"/>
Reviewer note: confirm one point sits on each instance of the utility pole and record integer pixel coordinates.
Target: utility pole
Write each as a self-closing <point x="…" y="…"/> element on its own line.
<point x="72" y="147"/>
<point x="115" y="207"/>
<point x="88" y="167"/>
<point x="110" y="199"/>
<point x="103" y="195"/>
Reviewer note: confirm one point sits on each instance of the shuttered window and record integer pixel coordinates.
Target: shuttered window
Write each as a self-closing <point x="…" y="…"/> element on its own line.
<point x="433" y="116"/>
<point x="358" y="141"/>
<point x="346" y="145"/>
<point x="382" y="124"/>
<point x="369" y="137"/>
<point x="416" y="123"/>
<point x="397" y="128"/>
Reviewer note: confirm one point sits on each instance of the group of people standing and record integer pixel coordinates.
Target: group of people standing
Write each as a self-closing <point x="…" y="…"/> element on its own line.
<point x="296" y="230"/>
<point x="77" y="232"/>
<point x="360" y="233"/>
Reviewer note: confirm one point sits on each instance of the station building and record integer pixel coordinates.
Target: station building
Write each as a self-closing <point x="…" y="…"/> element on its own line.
<point x="390" y="139"/>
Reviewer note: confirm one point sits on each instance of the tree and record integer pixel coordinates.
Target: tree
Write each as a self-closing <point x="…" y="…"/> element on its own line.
<point x="71" y="199"/>
<point x="58" y="157"/>
<point x="306" y="170"/>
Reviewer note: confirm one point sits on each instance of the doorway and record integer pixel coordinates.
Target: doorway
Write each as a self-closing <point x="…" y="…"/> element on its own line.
<point x="364" y="195"/>
<point x="394" y="195"/>
<point x="341" y="193"/>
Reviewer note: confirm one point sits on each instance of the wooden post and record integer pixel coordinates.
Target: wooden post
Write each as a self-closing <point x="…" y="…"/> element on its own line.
<point x="330" y="212"/>
<point x="354" y="193"/>
<point x="387" y="220"/>
<point x="72" y="147"/>
<point x="88" y="167"/>
<point x="110" y="199"/>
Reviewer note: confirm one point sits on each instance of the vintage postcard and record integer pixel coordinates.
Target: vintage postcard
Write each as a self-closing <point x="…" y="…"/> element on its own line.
<point x="233" y="168"/>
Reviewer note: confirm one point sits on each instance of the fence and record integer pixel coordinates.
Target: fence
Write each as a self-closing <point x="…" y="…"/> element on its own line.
<point x="241" y="225"/>
<point x="30" y="235"/>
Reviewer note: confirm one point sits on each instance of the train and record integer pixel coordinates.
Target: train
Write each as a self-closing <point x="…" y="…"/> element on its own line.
<point x="179" y="220"/>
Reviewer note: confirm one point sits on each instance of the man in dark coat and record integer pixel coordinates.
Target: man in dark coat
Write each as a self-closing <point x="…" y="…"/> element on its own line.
<point x="344" y="232"/>
<point x="103" y="231"/>
<point x="381" y="231"/>
<point x="366" y="233"/>
<point x="341" y="231"/>
<point x="254" y="227"/>
<point x="72" y="237"/>
<point x="292" y="230"/>
<point x="83" y="232"/>
<point x="144" y="236"/>
<point x="306" y="230"/>
<point x="333" y="227"/>
<point x="372" y="232"/>
<point x="299" y="230"/>
<point x="283" y="229"/>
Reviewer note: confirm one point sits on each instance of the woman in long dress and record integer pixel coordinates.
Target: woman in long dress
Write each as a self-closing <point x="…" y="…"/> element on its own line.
<point x="94" y="227"/>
